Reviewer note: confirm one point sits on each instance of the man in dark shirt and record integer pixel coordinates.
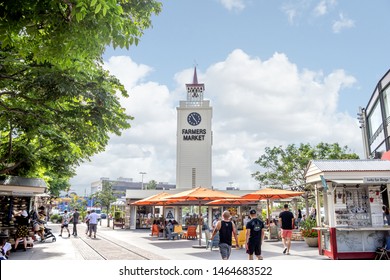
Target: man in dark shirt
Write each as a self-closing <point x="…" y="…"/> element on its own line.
<point x="286" y="221"/>
<point x="226" y="229"/>
<point x="254" y="236"/>
<point x="75" y="218"/>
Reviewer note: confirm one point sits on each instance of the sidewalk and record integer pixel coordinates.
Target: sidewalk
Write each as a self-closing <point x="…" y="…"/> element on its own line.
<point x="73" y="248"/>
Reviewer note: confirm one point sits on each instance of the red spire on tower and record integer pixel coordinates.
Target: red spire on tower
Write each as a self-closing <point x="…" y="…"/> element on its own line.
<point x="195" y="85"/>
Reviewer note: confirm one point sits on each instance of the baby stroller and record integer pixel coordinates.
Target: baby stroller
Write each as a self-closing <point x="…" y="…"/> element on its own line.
<point x="48" y="234"/>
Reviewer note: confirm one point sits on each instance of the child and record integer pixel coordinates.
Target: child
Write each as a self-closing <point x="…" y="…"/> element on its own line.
<point x="5" y="247"/>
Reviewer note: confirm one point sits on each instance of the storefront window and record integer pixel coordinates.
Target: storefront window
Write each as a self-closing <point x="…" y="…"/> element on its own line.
<point x="375" y="122"/>
<point x="145" y="216"/>
<point x="386" y="98"/>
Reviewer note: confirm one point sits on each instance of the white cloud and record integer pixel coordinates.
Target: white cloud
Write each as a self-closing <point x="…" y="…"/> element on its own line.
<point x="342" y="23"/>
<point x="255" y="104"/>
<point x="126" y="70"/>
<point x="231" y="5"/>
<point x="323" y="7"/>
<point x="291" y="13"/>
<point x="295" y="9"/>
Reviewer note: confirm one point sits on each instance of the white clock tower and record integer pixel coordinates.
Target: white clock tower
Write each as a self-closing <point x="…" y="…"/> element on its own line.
<point x="194" y="139"/>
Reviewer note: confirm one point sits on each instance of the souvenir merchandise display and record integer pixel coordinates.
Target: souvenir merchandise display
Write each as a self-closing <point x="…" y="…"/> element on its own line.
<point x="5" y="204"/>
<point x="10" y="206"/>
<point x="352" y="207"/>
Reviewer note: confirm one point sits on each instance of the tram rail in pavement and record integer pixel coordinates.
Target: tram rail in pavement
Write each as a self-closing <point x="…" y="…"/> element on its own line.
<point x="124" y="244"/>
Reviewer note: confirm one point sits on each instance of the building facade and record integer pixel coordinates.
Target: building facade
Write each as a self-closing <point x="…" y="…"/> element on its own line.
<point x="375" y="120"/>
<point x="121" y="185"/>
<point x="194" y="139"/>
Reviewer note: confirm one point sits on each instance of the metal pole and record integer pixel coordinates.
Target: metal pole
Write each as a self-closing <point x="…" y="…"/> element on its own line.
<point x="142" y="179"/>
<point x="363" y="126"/>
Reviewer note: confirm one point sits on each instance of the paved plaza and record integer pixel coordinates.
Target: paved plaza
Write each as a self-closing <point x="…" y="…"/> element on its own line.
<point x="140" y="241"/>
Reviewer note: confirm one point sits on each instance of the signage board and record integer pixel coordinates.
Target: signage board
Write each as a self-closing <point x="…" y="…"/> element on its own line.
<point x="376" y="180"/>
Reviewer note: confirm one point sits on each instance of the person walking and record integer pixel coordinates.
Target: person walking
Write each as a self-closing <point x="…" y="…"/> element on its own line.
<point x="65" y="223"/>
<point x="21" y="230"/>
<point x="75" y="219"/>
<point x="86" y="220"/>
<point x="299" y="218"/>
<point x="93" y="220"/>
<point x="254" y="236"/>
<point x="286" y="221"/>
<point x="38" y="220"/>
<point x="226" y="229"/>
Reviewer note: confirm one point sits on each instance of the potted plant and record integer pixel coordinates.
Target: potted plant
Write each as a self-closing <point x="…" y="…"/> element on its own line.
<point x="309" y="234"/>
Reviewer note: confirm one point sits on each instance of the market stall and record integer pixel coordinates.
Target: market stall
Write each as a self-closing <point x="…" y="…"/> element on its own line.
<point x="17" y="194"/>
<point x="352" y="193"/>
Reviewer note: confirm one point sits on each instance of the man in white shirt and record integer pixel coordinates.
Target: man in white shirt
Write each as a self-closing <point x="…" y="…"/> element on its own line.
<point x="93" y="220"/>
<point x="65" y="222"/>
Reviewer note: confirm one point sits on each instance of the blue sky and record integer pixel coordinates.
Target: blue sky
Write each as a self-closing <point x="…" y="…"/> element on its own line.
<point x="276" y="73"/>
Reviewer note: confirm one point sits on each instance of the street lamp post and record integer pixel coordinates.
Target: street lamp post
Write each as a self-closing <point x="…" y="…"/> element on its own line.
<point x="142" y="179"/>
<point x="363" y="126"/>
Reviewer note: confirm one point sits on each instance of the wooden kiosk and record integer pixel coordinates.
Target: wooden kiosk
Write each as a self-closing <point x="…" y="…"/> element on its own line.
<point x="352" y="193"/>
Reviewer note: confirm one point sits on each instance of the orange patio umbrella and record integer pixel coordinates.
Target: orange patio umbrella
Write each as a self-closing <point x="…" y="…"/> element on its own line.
<point x="232" y="201"/>
<point x="269" y="193"/>
<point x="200" y="196"/>
<point x="152" y="200"/>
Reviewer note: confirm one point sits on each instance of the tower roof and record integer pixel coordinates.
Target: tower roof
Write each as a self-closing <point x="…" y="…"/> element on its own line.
<point x="195" y="79"/>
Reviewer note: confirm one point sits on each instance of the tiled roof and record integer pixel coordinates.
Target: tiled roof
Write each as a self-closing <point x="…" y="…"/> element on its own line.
<point x="352" y="165"/>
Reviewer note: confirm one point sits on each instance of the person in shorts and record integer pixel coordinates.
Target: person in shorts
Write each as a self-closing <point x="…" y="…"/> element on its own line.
<point x="65" y="222"/>
<point x="286" y="221"/>
<point x="226" y="229"/>
<point x="254" y="236"/>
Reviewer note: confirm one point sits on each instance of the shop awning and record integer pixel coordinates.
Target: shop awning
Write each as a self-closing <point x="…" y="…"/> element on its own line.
<point x="348" y="181"/>
<point x="19" y="186"/>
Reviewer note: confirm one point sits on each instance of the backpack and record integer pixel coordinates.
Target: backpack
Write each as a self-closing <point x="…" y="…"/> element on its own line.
<point x="257" y="225"/>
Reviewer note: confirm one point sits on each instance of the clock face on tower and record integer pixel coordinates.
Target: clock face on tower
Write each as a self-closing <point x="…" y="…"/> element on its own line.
<point x="194" y="119"/>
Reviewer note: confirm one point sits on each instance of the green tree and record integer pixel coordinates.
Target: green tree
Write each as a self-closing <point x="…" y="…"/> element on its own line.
<point x="58" y="105"/>
<point x="72" y="33"/>
<point x="283" y="167"/>
<point x="151" y="185"/>
<point x="105" y="197"/>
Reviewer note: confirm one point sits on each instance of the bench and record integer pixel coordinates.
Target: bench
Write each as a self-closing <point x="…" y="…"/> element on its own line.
<point x="297" y="236"/>
<point x="119" y="223"/>
<point x="272" y="234"/>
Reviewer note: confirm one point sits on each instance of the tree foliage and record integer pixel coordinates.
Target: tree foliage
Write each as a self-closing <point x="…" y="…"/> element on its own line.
<point x="58" y="105"/>
<point x="151" y="185"/>
<point x="105" y="197"/>
<point x="71" y="33"/>
<point x="286" y="166"/>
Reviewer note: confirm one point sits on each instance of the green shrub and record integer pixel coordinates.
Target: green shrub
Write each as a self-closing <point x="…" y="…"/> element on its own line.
<point x="55" y="218"/>
<point x="306" y="228"/>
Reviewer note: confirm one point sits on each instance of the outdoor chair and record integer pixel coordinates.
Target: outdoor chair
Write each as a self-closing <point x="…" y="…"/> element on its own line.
<point x="179" y="230"/>
<point x="382" y="253"/>
<point x="241" y="236"/>
<point x="190" y="233"/>
<point x="272" y="233"/>
<point x="213" y="242"/>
